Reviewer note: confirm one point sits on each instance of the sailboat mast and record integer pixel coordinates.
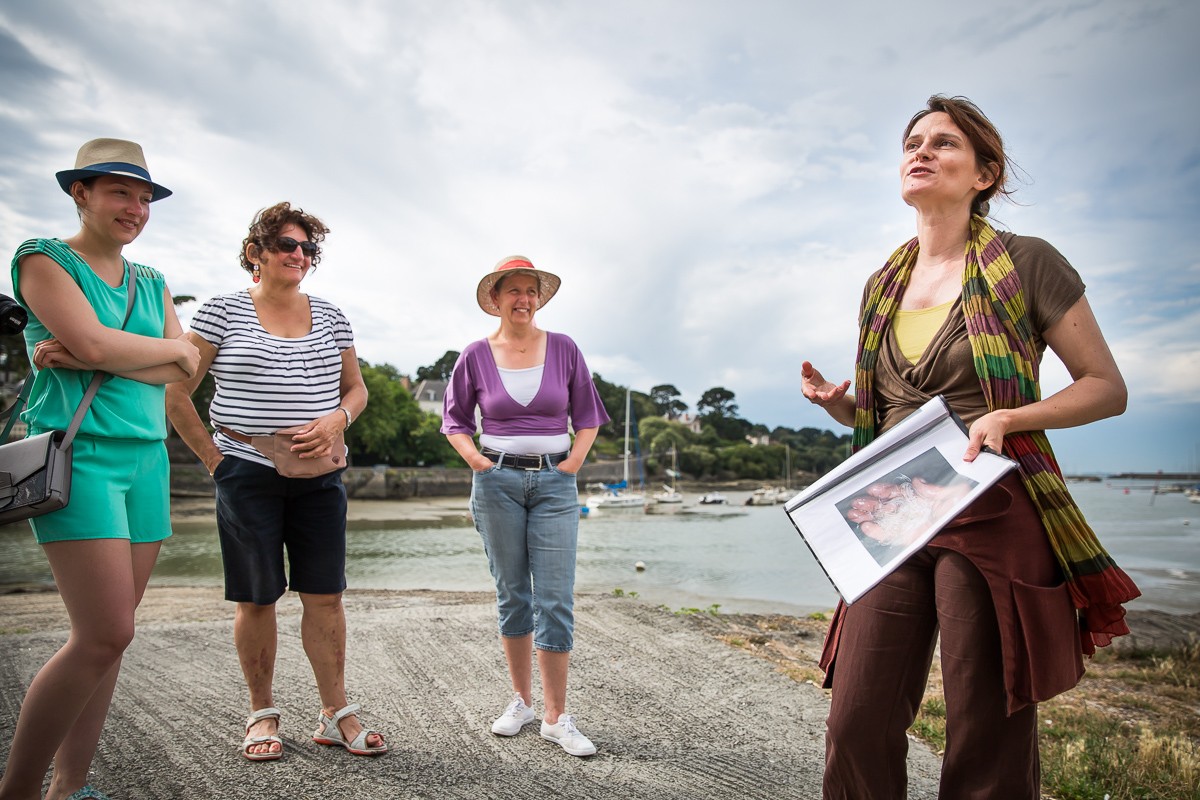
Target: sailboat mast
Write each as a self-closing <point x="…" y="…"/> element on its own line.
<point x="787" y="466"/>
<point x="625" y="471"/>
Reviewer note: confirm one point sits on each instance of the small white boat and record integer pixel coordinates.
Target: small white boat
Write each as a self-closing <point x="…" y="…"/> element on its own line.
<point x="616" y="500"/>
<point x="765" y="496"/>
<point x="669" y="494"/>
<point x="712" y="499"/>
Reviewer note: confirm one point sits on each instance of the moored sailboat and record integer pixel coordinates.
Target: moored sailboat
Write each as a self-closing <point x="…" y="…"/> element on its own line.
<point x="619" y="495"/>
<point x="669" y="494"/>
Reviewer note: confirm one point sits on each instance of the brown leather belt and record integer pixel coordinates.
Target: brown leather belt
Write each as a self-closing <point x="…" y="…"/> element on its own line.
<point x="235" y="435"/>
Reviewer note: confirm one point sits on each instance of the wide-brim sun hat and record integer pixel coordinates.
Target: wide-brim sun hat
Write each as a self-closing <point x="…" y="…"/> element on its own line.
<point x="548" y="282"/>
<point x="110" y="157"/>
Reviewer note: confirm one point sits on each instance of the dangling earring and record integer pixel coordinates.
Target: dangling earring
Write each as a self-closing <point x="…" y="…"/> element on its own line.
<point x="256" y="276"/>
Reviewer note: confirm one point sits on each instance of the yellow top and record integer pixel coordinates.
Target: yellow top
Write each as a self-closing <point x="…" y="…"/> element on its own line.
<point x="914" y="330"/>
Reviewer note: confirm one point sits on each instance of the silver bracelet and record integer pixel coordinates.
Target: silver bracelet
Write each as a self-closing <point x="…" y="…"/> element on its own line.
<point x="346" y="411"/>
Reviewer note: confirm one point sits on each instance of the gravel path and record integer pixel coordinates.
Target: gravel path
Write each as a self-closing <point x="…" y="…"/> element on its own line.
<point x="675" y="713"/>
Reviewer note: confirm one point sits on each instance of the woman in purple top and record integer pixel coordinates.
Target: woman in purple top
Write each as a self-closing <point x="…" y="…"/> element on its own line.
<point x="526" y="382"/>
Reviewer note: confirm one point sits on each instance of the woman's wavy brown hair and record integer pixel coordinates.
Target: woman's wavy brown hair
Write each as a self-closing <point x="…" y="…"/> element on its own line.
<point x="984" y="137"/>
<point x="267" y="224"/>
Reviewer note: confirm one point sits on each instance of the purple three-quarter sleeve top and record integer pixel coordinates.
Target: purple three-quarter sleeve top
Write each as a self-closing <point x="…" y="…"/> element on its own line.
<point x="566" y="391"/>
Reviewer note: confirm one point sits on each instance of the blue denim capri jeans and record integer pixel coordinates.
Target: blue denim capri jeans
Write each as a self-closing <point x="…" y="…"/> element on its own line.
<point x="529" y="523"/>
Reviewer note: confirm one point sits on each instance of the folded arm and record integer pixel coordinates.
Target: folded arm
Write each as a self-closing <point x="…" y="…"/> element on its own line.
<point x="86" y="343"/>
<point x="182" y="411"/>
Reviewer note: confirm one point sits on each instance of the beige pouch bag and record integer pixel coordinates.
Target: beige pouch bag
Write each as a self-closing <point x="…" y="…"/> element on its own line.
<point x="289" y="464"/>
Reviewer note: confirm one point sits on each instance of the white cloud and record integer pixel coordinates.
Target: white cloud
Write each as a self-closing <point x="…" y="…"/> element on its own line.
<point x="713" y="182"/>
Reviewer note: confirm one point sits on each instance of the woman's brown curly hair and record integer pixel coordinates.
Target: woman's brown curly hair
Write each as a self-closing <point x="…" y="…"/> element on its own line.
<point x="267" y="224"/>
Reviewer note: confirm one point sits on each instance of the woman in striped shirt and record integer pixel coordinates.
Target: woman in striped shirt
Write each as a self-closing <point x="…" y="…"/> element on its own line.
<point x="281" y="359"/>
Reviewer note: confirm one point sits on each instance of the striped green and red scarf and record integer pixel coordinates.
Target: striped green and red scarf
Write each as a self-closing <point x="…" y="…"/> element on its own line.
<point x="1006" y="360"/>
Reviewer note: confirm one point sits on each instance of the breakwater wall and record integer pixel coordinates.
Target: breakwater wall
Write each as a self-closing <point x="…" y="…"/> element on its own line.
<point x="384" y="482"/>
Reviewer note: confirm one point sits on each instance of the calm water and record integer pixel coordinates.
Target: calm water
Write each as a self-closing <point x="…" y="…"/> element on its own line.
<point x="742" y="558"/>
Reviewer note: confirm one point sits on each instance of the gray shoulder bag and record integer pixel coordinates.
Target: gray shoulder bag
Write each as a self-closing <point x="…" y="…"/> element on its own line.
<point x="35" y="473"/>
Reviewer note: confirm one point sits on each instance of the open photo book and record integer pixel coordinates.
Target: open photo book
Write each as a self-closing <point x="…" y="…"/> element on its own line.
<point x="867" y="515"/>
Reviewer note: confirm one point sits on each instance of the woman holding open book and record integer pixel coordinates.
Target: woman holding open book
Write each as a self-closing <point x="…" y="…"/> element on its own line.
<point x="1017" y="584"/>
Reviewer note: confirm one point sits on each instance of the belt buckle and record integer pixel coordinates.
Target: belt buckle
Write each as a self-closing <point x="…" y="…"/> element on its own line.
<point x="538" y="468"/>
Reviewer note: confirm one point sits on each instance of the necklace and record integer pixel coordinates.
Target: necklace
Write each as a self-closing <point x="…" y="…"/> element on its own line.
<point x="513" y="345"/>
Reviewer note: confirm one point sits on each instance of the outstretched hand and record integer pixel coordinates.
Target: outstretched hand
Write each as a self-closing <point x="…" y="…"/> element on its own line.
<point x="817" y="389"/>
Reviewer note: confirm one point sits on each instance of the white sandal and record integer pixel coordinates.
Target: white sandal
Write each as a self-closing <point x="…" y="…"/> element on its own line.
<point x="251" y="741"/>
<point x="328" y="732"/>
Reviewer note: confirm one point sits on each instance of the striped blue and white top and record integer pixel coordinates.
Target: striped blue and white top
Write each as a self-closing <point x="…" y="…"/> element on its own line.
<point x="267" y="382"/>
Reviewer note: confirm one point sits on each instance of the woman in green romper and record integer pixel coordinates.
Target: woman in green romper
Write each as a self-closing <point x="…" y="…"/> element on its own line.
<point x="103" y="545"/>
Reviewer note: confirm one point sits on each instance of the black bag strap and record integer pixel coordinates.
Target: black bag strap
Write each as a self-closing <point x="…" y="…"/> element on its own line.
<point x="13" y="411"/>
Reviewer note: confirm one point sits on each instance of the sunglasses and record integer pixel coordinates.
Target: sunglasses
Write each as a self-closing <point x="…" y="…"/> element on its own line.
<point x="286" y="244"/>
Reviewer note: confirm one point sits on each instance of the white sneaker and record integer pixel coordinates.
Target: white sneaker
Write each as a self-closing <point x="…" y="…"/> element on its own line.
<point x="515" y="717"/>
<point x="567" y="736"/>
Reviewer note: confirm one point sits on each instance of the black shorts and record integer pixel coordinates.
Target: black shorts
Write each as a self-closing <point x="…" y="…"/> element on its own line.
<point x="260" y="512"/>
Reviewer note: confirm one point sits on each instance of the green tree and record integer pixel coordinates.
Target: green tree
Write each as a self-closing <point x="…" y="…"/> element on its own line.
<point x="667" y="402"/>
<point x="814" y="450"/>
<point x="697" y="460"/>
<point x="376" y="434"/>
<point x="439" y="370"/>
<point x="658" y="436"/>
<point x="429" y="445"/>
<point x="719" y="412"/>
<point x="393" y="429"/>
<point x="719" y="401"/>
<point x="643" y="408"/>
<point x="613" y="398"/>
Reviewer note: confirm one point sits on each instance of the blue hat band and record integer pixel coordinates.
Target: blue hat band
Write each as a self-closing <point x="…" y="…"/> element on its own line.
<point x="120" y="166"/>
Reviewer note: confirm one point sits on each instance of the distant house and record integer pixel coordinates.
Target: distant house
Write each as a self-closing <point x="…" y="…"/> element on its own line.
<point x="759" y="441"/>
<point x="692" y="422"/>
<point x="428" y="395"/>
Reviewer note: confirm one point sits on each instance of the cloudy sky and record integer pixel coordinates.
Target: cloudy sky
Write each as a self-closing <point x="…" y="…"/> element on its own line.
<point x="712" y="180"/>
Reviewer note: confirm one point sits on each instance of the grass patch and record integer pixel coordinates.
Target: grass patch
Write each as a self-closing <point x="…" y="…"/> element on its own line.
<point x="1129" y="731"/>
<point x="1087" y="754"/>
<point x="14" y="631"/>
<point x="619" y="592"/>
<point x="713" y="610"/>
<point x="805" y="675"/>
<point x="930" y="724"/>
<point x="1180" y="669"/>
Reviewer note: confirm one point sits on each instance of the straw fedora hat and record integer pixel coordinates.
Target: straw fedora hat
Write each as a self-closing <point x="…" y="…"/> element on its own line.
<point x="110" y="157"/>
<point x="548" y="282"/>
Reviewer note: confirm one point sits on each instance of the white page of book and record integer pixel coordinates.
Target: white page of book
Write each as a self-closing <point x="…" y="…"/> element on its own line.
<point x="869" y="514"/>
